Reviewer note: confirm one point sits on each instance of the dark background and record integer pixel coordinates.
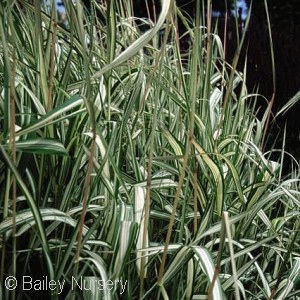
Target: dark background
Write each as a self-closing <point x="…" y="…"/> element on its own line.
<point x="285" y="24"/>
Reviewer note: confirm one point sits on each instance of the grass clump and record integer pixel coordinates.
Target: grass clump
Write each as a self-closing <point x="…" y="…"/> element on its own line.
<point x="122" y="164"/>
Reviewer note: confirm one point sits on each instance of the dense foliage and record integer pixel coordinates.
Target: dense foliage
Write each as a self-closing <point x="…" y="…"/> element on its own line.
<point x="126" y="162"/>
